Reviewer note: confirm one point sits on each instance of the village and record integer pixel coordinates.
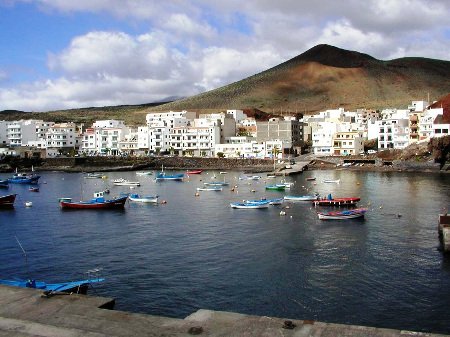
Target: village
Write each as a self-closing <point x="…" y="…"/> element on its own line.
<point x="230" y="134"/>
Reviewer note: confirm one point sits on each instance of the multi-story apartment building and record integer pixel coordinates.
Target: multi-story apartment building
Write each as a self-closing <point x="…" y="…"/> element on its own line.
<point x="348" y="143"/>
<point x="27" y="132"/>
<point x="104" y="137"/>
<point x="322" y="138"/>
<point x="426" y="121"/>
<point x="289" y="131"/>
<point x="252" y="149"/>
<point x="4" y="132"/>
<point x="62" y="136"/>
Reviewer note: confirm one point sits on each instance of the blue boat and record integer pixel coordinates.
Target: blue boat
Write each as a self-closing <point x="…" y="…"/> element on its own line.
<point x="164" y="176"/>
<point x="79" y="287"/>
<point x="24" y="178"/>
<point x="4" y="184"/>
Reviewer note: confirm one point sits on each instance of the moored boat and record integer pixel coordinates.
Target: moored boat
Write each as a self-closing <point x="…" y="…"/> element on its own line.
<point x="277" y="201"/>
<point x="210" y="188"/>
<point x="94" y="176"/>
<point x="7" y="200"/>
<point x="194" y="171"/>
<point x="145" y="199"/>
<point x="217" y="183"/>
<point x="164" y="176"/>
<point x="33" y="189"/>
<point x="310" y="178"/>
<point x="330" y="181"/>
<point x="301" y="197"/>
<point x="98" y="202"/>
<point x="24" y="178"/>
<point x="250" y="205"/>
<point x="124" y="182"/>
<point x="336" y="201"/>
<point x="342" y="215"/>
<point x="79" y="287"/>
<point x="276" y="187"/>
<point x="4" y="184"/>
<point x="144" y="173"/>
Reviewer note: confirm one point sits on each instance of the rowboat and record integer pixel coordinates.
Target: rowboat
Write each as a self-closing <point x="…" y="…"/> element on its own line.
<point x="250" y="205"/>
<point x="342" y="215"/>
<point x="217" y="183"/>
<point x="310" y="178"/>
<point x="79" y="287"/>
<point x="301" y="197"/>
<point x="277" y="201"/>
<point x="144" y="199"/>
<point x="329" y="181"/>
<point x="336" y="202"/>
<point x="144" y="173"/>
<point x="124" y="182"/>
<point x="98" y="202"/>
<point x="210" y="188"/>
<point x="276" y="187"/>
<point x="33" y="189"/>
<point x="24" y="178"/>
<point x="7" y="200"/>
<point x="194" y="172"/>
<point x="4" y="184"/>
<point x="94" y="176"/>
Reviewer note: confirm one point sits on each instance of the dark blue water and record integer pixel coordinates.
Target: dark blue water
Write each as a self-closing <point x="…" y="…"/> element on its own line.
<point x="197" y="252"/>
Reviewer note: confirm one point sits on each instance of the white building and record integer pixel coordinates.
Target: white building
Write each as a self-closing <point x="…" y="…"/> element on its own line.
<point x="426" y="121"/>
<point x="104" y="137"/>
<point x="27" y="132"/>
<point x="238" y="115"/>
<point x="322" y="138"/>
<point x="62" y="136"/>
<point x="253" y="149"/>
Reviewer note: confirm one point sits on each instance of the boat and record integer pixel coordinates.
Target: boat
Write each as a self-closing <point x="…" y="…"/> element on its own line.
<point x="329" y="181"/>
<point x="144" y="173"/>
<point x="164" y="176"/>
<point x="277" y="201"/>
<point x="194" y="172"/>
<point x="124" y="182"/>
<point x="7" y="200"/>
<point x="223" y="172"/>
<point x="217" y="183"/>
<point x="33" y="189"/>
<point x="210" y="188"/>
<point x="79" y="287"/>
<point x="98" y="202"/>
<point x="310" y="178"/>
<point x="4" y="184"/>
<point x="286" y="184"/>
<point x="250" y="205"/>
<point x="301" y="197"/>
<point x="329" y="201"/>
<point x="342" y="215"/>
<point x="94" y="176"/>
<point x="145" y="199"/>
<point x="24" y="178"/>
<point x="28" y="204"/>
<point x="276" y="187"/>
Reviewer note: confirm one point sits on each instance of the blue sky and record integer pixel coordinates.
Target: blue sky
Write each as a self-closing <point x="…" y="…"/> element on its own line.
<point x="60" y="54"/>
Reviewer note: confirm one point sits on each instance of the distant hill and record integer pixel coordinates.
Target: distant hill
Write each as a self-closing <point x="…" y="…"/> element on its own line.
<point x="323" y="77"/>
<point x="326" y="77"/>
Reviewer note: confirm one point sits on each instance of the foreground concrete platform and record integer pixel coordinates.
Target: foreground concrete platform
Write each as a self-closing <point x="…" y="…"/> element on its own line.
<point x="25" y="313"/>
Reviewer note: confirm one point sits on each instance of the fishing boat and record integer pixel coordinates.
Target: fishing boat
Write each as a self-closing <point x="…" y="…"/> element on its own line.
<point x="124" y="182"/>
<point x="7" y="200"/>
<point x="286" y="184"/>
<point x="194" y="172"/>
<point x="24" y="178"/>
<point x="145" y="199"/>
<point x="336" y="201"/>
<point x="342" y="215"/>
<point x="210" y="188"/>
<point x="94" y="176"/>
<point x="276" y="187"/>
<point x="79" y="287"/>
<point x="329" y="181"/>
<point x="98" y="202"/>
<point x="277" y="201"/>
<point x="301" y="197"/>
<point x="250" y="205"/>
<point x="164" y="176"/>
<point x="144" y="173"/>
<point x="216" y="183"/>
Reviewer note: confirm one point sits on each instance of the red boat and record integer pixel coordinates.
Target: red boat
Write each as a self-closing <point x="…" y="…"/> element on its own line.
<point x="194" y="172"/>
<point x="98" y="202"/>
<point x="7" y="200"/>
<point x="336" y="202"/>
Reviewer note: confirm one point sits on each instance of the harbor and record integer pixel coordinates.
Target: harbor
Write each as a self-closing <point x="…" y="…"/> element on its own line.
<point x="191" y="254"/>
<point x="25" y="312"/>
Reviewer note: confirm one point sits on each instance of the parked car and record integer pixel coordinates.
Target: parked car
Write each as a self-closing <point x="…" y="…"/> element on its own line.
<point x="371" y="151"/>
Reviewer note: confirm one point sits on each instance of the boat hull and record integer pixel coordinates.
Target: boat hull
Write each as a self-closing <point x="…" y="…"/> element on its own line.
<point x="349" y="214"/>
<point x="337" y="202"/>
<point x="249" y="205"/>
<point x="117" y="203"/>
<point x="24" y="180"/>
<point x="7" y="201"/>
<point x="194" y="172"/>
<point x="79" y="287"/>
<point x="300" y="198"/>
<point x="144" y="199"/>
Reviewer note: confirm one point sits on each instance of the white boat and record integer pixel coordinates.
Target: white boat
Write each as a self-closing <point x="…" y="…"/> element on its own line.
<point x="301" y="197"/>
<point x="250" y="205"/>
<point x="337" y="181"/>
<point x="287" y="184"/>
<point x="95" y="176"/>
<point x="216" y="183"/>
<point x="144" y="173"/>
<point x="146" y="199"/>
<point x="210" y="188"/>
<point x="124" y="182"/>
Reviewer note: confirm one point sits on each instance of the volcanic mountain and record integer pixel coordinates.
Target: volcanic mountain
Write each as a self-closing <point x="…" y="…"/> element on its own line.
<point x="326" y="77"/>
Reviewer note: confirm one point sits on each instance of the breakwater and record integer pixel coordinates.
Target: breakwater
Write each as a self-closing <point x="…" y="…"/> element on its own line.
<point x="91" y="164"/>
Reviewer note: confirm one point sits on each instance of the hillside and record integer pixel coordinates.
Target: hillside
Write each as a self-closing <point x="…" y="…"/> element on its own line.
<point x="321" y="78"/>
<point x="328" y="77"/>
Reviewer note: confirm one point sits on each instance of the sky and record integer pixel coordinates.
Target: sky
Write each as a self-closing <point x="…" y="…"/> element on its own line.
<point x="64" y="54"/>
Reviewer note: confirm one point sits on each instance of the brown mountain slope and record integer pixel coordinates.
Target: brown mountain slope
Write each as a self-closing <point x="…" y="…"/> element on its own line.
<point x="328" y="77"/>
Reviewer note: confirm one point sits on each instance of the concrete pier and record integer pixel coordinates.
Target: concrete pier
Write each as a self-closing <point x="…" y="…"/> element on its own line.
<point x="25" y="312"/>
<point x="296" y="168"/>
<point x="444" y="231"/>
